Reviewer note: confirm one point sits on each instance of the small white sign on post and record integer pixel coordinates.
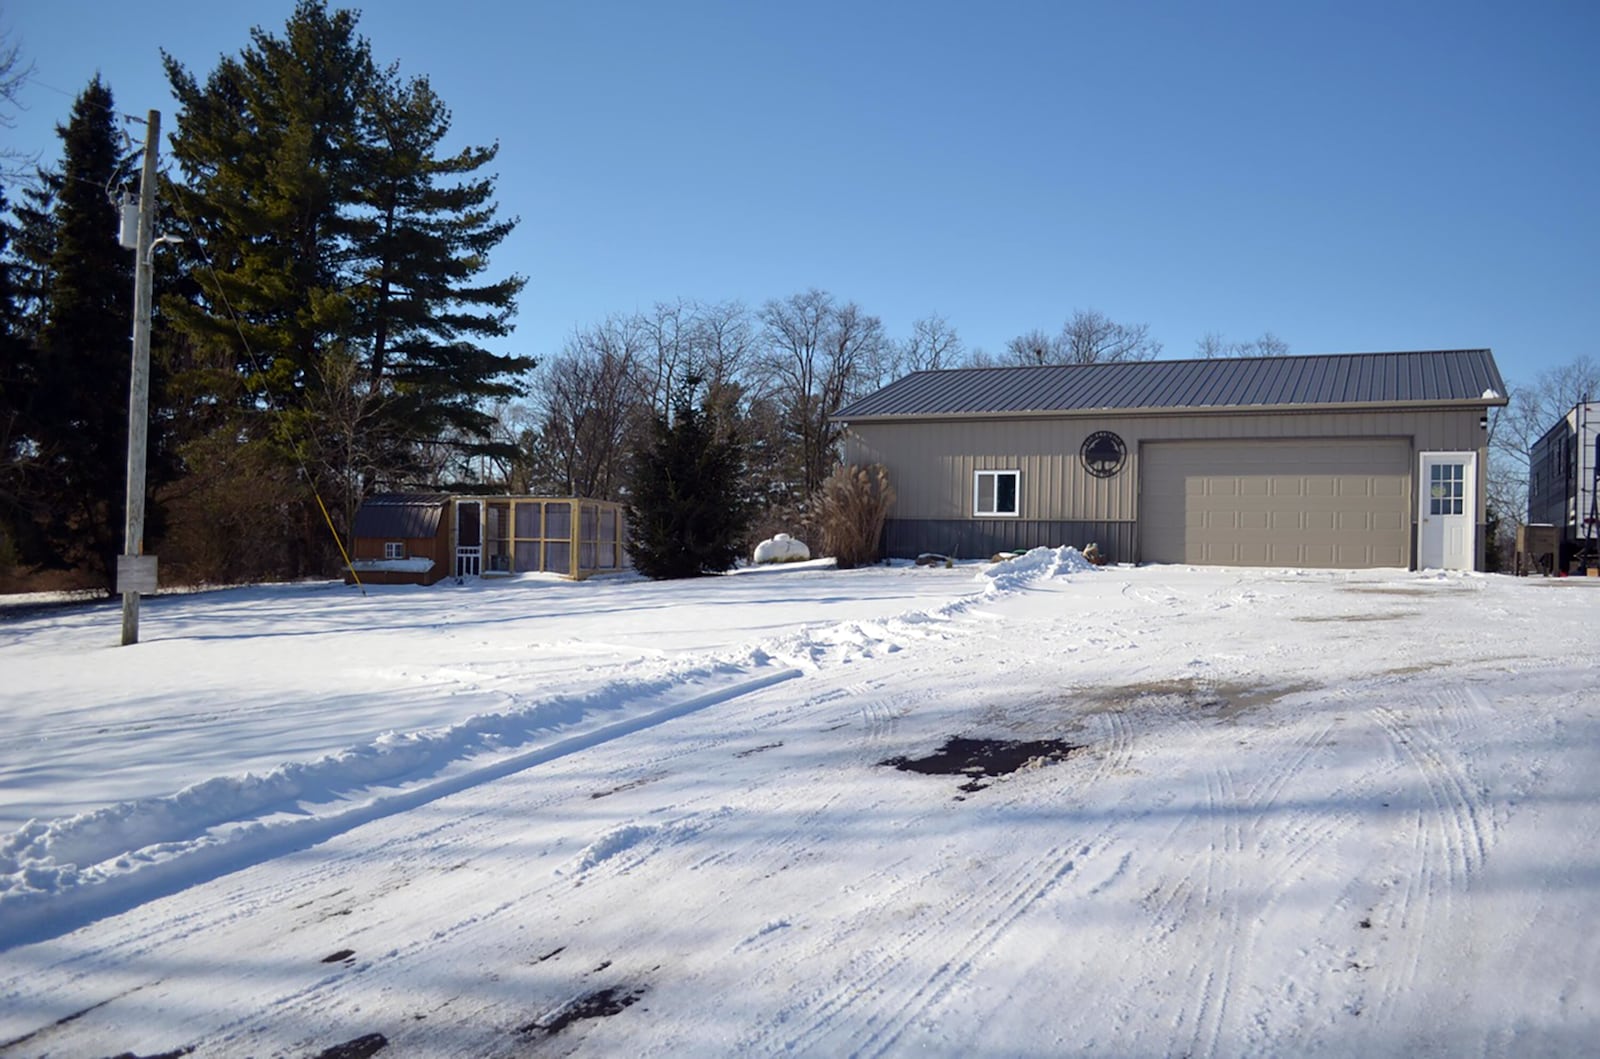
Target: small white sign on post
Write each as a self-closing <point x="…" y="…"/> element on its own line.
<point x="136" y="573"/>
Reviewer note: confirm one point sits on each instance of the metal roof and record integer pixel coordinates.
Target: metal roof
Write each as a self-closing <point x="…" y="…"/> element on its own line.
<point x="397" y="515"/>
<point x="1441" y="376"/>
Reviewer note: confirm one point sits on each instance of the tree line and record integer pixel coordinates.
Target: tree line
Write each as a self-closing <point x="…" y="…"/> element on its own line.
<point x="327" y="321"/>
<point x="329" y="325"/>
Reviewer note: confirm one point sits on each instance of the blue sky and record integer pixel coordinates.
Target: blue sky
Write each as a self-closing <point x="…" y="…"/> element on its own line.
<point x="1349" y="176"/>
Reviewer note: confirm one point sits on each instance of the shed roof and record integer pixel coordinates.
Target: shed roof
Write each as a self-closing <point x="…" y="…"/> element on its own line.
<point x="397" y="515"/>
<point x="1462" y="376"/>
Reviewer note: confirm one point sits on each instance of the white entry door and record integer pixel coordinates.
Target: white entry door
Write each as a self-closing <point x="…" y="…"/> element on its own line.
<point x="1447" y="511"/>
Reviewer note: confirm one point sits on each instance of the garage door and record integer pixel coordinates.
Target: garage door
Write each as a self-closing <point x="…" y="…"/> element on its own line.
<point x="1325" y="503"/>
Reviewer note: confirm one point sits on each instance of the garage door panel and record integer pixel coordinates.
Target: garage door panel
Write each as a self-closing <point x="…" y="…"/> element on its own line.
<point x="1323" y="503"/>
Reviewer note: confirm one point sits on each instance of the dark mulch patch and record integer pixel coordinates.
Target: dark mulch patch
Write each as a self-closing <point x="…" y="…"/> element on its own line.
<point x="600" y="1004"/>
<point x="360" y="1048"/>
<point x="983" y="758"/>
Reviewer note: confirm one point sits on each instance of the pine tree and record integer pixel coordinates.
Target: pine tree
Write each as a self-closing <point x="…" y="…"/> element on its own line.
<point x="17" y="387"/>
<point x="265" y="147"/>
<point x="81" y="281"/>
<point x="687" y="510"/>
<point x="345" y="257"/>
<point x="427" y="245"/>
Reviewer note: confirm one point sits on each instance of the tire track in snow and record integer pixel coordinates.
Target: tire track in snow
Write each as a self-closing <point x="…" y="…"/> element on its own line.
<point x="1449" y="840"/>
<point x="891" y="980"/>
<point x="881" y="983"/>
<point x="1026" y="894"/>
<point x="1240" y="821"/>
<point x="1220" y="897"/>
<point x="1111" y="741"/>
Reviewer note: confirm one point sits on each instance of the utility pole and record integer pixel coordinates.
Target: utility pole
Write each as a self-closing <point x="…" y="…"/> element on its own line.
<point x="133" y="571"/>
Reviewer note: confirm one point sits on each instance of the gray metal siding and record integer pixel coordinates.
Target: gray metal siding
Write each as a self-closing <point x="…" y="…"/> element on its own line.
<point x="1251" y="382"/>
<point x="906" y="538"/>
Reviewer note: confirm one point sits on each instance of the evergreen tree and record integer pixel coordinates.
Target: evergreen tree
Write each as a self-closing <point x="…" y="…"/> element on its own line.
<point x="16" y="389"/>
<point x="32" y="238"/>
<point x="687" y="510"/>
<point x="424" y="247"/>
<point x="80" y="286"/>
<point x="345" y="259"/>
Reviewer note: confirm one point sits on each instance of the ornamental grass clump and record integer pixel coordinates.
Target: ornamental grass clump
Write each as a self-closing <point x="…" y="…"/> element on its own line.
<point x="851" y="508"/>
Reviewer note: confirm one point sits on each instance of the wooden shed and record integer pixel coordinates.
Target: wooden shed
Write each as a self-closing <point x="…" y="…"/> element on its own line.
<point x="422" y="538"/>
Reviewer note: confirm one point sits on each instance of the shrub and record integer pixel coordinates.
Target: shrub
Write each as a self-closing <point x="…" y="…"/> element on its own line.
<point x="687" y="509"/>
<point x="851" y="508"/>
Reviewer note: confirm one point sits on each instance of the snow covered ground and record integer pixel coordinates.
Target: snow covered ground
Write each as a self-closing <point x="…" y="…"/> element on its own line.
<point x="1343" y="813"/>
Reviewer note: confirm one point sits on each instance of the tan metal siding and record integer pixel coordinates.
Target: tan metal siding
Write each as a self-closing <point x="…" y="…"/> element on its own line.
<point x="931" y="462"/>
<point x="1323" y="502"/>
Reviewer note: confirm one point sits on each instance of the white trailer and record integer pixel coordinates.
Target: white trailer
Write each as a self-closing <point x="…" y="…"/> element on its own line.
<point x="1564" y="482"/>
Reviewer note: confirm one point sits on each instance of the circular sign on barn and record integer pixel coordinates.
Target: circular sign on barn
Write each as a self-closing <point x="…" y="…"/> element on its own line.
<point x="1103" y="454"/>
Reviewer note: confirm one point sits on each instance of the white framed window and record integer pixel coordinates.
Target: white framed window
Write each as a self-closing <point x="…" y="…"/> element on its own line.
<point x="997" y="493"/>
<point x="394" y="549"/>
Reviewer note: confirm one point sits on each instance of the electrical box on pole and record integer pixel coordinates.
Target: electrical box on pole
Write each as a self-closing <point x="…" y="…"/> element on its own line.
<point x="140" y="575"/>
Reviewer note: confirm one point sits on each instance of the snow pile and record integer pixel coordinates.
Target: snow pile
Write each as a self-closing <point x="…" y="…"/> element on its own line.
<point x="1038" y="564"/>
<point x="841" y="643"/>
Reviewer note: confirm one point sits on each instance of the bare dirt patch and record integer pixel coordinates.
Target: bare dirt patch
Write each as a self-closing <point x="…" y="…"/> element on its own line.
<point x="979" y="759"/>
<point x="1323" y="618"/>
<point x="1422" y="591"/>
<point x="1223" y="700"/>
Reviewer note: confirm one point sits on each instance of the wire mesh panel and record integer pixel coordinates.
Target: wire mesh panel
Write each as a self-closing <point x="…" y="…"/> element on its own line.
<point x="588" y="529"/>
<point x="530" y="519"/>
<point x="558" y="521"/>
<point x="607" y="539"/>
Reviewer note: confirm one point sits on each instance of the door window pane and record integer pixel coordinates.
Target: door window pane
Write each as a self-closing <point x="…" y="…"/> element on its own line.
<point x="1447" y="488"/>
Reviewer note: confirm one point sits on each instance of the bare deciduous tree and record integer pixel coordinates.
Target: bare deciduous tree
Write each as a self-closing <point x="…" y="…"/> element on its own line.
<point x="723" y="343"/>
<point x="14" y="74"/>
<point x="589" y="399"/>
<point x="816" y="355"/>
<point x="1212" y="345"/>
<point x="1034" y="348"/>
<point x="1090" y="337"/>
<point x="933" y="345"/>
<point x="667" y="331"/>
<point x="1087" y="337"/>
